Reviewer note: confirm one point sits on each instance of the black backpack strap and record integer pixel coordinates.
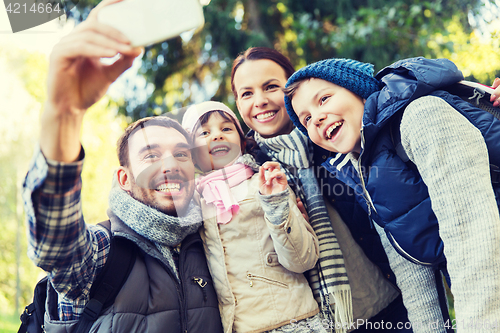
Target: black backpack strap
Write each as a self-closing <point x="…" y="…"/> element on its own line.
<point x="105" y="288"/>
<point x="476" y="94"/>
<point x="109" y="282"/>
<point x="479" y="96"/>
<point x="106" y="225"/>
<point x="473" y="93"/>
<point x="36" y="323"/>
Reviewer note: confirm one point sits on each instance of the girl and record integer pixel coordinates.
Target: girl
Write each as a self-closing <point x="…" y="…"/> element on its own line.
<point x="446" y="193"/>
<point x="257" y="242"/>
<point x="258" y="76"/>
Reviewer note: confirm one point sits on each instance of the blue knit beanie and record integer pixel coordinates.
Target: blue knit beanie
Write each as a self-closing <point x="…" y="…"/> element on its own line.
<point x="351" y="74"/>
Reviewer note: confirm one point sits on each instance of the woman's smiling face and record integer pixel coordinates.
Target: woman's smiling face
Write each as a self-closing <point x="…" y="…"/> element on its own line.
<point x="260" y="99"/>
<point x="331" y="114"/>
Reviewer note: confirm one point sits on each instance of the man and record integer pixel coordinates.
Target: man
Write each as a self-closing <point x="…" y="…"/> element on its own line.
<point x="151" y="204"/>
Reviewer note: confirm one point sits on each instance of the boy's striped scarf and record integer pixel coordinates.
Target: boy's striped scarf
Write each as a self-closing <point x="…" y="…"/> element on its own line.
<point x="328" y="279"/>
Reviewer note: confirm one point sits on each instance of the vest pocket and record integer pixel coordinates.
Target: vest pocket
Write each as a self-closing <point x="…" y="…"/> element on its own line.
<point x="252" y="277"/>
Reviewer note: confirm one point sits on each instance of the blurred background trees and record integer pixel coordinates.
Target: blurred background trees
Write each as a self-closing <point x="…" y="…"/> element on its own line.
<point x="196" y="67"/>
<point x="18" y="137"/>
<point x="22" y="92"/>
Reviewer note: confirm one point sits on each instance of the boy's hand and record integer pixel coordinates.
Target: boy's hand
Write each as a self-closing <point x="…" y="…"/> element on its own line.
<point x="274" y="181"/>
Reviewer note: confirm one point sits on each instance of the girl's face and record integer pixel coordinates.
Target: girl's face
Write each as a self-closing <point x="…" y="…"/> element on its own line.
<point x="260" y="100"/>
<point x="217" y="143"/>
<point x="331" y="114"/>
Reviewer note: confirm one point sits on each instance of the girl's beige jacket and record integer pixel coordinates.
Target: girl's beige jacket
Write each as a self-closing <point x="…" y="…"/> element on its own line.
<point x="257" y="266"/>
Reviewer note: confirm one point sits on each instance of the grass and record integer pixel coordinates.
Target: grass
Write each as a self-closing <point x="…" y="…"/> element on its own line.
<point x="9" y="323"/>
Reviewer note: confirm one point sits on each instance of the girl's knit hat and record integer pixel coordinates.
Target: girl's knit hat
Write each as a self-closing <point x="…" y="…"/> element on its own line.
<point x="194" y="113"/>
<point x="351" y="74"/>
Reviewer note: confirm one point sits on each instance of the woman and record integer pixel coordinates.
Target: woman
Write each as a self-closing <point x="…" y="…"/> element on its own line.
<point x="257" y="78"/>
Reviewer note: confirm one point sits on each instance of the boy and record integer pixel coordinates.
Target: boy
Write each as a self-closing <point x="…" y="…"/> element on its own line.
<point x="445" y="207"/>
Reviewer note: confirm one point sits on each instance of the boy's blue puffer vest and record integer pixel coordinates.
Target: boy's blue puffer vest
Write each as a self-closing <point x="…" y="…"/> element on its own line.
<point x="349" y="205"/>
<point x="397" y="199"/>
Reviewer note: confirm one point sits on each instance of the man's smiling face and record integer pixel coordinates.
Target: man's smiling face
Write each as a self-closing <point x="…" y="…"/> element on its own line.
<point x="160" y="173"/>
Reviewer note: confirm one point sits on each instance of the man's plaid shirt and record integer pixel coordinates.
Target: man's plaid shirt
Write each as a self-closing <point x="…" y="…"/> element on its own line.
<point x="70" y="251"/>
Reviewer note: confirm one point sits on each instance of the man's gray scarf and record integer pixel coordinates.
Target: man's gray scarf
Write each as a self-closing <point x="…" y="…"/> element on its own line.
<point x="329" y="277"/>
<point x="163" y="230"/>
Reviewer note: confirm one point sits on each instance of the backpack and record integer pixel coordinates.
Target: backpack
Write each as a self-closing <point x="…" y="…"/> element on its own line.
<point x="476" y="94"/>
<point x="103" y="292"/>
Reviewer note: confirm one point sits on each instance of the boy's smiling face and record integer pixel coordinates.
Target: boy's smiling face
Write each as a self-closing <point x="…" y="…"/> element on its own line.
<point x="331" y="114"/>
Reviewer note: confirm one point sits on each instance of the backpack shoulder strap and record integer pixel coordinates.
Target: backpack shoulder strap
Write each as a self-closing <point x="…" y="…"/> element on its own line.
<point x="104" y="290"/>
<point x="109" y="282"/>
<point x="474" y="93"/>
<point x="36" y="309"/>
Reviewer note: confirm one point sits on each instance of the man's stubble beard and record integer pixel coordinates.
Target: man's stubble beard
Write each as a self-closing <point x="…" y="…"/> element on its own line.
<point x="146" y="197"/>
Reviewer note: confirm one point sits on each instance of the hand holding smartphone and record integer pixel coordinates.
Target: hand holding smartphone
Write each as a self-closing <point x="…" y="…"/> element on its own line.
<point x="147" y="22"/>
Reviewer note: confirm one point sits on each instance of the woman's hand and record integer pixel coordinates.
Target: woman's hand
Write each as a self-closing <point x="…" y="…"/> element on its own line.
<point x="495" y="98"/>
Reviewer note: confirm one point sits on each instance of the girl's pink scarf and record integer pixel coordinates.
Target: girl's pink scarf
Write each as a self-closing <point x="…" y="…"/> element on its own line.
<point x="215" y="188"/>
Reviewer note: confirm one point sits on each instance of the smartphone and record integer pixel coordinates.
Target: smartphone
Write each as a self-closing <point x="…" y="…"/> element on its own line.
<point x="480" y="86"/>
<point x="146" y="22"/>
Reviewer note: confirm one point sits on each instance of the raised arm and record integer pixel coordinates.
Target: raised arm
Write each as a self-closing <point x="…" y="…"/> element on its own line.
<point x="77" y="79"/>
<point x="59" y="240"/>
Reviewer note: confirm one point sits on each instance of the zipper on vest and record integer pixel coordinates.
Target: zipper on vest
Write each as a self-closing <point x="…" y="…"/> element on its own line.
<point x="182" y="257"/>
<point x="403" y="253"/>
<point x="180" y="293"/>
<point x="183" y="305"/>
<point x="202" y="283"/>
<point x="178" y="287"/>
<point x="366" y="195"/>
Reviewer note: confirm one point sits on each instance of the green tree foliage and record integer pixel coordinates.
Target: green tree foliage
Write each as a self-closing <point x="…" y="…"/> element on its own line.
<point x="194" y="68"/>
<point x="475" y="54"/>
